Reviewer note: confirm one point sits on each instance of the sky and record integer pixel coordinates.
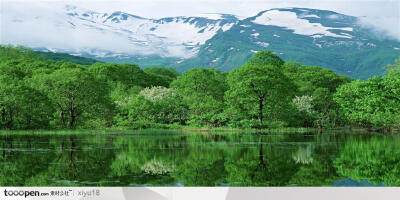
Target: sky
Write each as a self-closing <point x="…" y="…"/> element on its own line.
<point x="382" y="14"/>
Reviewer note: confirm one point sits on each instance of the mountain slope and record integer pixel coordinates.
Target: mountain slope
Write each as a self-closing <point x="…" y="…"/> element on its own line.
<point x="313" y="37"/>
<point x="116" y="35"/>
<point x="66" y="57"/>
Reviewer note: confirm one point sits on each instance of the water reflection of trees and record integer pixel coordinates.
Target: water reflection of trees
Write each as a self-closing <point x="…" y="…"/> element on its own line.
<point x="265" y="165"/>
<point x="376" y="159"/>
<point x="198" y="160"/>
<point x="18" y="163"/>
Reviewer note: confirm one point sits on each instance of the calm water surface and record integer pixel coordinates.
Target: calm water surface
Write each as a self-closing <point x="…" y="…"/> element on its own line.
<point x="200" y="159"/>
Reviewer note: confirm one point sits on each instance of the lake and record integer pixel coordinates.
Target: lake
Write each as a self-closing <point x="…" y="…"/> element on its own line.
<point x="176" y="158"/>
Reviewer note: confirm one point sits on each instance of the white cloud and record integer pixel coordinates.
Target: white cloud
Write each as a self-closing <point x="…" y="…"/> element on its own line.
<point x="35" y="32"/>
<point x="47" y="25"/>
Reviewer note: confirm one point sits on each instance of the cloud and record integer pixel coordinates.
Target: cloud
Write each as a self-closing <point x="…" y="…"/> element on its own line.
<point x="21" y="27"/>
<point x="24" y="21"/>
<point x="43" y="25"/>
<point x="383" y="27"/>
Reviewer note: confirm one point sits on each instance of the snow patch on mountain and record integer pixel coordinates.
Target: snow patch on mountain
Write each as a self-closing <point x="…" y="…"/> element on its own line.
<point x="334" y="16"/>
<point x="215" y="60"/>
<point x="111" y="34"/>
<point x="313" y="16"/>
<point x="227" y="27"/>
<point x="262" y="44"/>
<point x="291" y="21"/>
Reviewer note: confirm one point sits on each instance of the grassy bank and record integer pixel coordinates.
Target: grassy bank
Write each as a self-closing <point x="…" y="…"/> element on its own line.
<point x="183" y="130"/>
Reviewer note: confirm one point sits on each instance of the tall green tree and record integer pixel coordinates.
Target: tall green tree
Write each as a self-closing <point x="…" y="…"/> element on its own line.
<point x="266" y="58"/>
<point x="256" y="89"/>
<point x="76" y="93"/>
<point x="320" y="84"/>
<point x="21" y="107"/>
<point x="203" y="90"/>
<point x="128" y="74"/>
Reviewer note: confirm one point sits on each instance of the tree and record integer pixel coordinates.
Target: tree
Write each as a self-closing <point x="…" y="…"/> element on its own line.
<point x="303" y="104"/>
<point x="21" y="107"/>
<point x="158" y="105"/>
<point x="393" y="68"/>
<point x="320" y="84"/>
<point x="128" y="74"/>
<point x="162" y="71"/>
<point x="254" y="87"/>
<point x="310" y="78"/>
<point x="266" y="58"/>
<point x="203" y="90"/>
<point x="75" y="93"/>
<point x="373" y="103"/>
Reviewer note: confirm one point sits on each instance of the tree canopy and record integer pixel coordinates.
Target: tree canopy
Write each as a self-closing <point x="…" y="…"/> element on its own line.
<point x="36" y="92"/>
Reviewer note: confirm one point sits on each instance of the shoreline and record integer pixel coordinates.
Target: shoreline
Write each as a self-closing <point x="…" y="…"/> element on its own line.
<point x="188" y="130"/>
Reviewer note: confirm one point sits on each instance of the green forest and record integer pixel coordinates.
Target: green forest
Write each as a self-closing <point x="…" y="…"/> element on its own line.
<point x="38" y="92"/>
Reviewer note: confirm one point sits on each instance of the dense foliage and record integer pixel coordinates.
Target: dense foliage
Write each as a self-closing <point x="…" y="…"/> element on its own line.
<point x="37" y="93"/>
<point x="374" y="103"/>
<point x="66" y="57"/>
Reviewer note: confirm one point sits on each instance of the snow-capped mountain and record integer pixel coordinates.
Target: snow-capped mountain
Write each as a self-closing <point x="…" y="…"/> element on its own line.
<point x="167" y="37"/>
<point x="310" y="36"/>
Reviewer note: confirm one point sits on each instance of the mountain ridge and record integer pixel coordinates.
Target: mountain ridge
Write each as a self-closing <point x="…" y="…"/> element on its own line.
<point x="311" y="36"/>
<point x="344" y="48"/>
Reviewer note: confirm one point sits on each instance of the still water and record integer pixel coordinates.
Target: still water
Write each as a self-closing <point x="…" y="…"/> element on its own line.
<point x="200" y="159"/>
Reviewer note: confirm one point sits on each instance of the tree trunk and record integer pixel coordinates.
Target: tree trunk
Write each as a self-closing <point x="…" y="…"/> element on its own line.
<point x="28" y="121"/>
<point x="319" y="125"/>
<point x="73" y="118"/>
<point x="10" y="119"/>
<point x="62" y="115"/>
<point x="260" y="108"/>
<point x="62" y="118"/>
<point x="3" y="114"/>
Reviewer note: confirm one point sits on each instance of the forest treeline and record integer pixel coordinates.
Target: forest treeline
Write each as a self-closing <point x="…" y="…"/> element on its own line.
<point x="266" y="92"/>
